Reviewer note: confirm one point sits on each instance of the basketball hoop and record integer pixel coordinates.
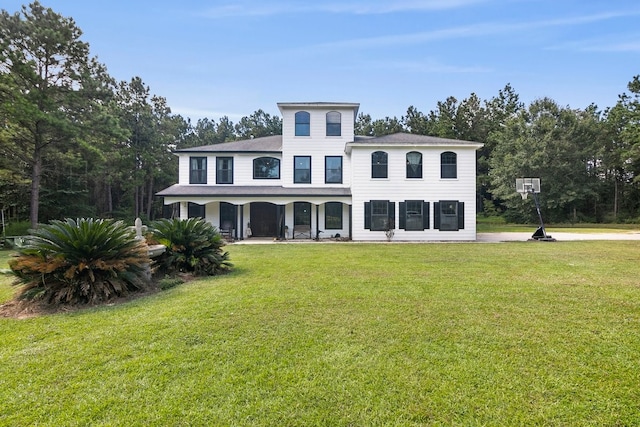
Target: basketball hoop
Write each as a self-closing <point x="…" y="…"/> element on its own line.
<point x="526" y="186"/>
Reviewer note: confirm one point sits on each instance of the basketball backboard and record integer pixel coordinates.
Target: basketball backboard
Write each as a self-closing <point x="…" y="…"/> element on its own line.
<point x="525" y="186"/>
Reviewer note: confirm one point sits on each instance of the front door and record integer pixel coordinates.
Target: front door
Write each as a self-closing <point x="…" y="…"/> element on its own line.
<point x="263" y="219"/>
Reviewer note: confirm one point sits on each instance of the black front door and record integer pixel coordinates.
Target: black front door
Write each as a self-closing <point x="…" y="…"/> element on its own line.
<point x="263" y="219"/>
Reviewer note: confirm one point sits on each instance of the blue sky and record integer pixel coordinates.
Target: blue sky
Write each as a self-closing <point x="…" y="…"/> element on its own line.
<point x="216" y="58"/>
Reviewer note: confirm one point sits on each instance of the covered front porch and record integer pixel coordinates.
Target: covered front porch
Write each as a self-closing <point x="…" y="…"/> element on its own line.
<point x="267" y="212"/>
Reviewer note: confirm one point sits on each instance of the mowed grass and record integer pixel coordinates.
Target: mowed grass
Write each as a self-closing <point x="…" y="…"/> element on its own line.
<point x="348" y="334"/>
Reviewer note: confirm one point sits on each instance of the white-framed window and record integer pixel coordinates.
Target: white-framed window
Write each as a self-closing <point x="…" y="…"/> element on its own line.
<point x="333" y="169"/>
<point x="224" y="170"/>
<point x="379" y="164"/>
<point x="303" y="123"/>
<point x="448" y="165"/>
<point x="302" y="169"/>
<point x="414" y="164"/>
<point x="197" y="170"/>
<point x="334" y="123"/>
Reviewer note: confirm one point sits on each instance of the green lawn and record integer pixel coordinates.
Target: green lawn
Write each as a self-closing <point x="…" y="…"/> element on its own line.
<point x="348" y="334"/>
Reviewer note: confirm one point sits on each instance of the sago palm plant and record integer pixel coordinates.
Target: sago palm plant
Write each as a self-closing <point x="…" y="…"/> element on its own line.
<point x="81" y="261"/>
<point x="193" y="246"/>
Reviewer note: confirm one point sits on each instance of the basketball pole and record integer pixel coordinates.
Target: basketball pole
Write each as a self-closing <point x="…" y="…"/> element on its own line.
<point x="537" y="235"/>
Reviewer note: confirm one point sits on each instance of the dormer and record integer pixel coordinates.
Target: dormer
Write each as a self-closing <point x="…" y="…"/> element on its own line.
<point x="318" y="121"/>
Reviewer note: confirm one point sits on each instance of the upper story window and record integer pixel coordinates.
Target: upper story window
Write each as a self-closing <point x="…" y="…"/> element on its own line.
<point x="303" y="123"/>
<point x="379" y="164"/>
<point x="266" y="168"/>
<point x="333" y="169"/>
<point x="224" y="170"/>
<point x="197" y="170"/>
<point x="448" y="165"/>
<point x="302" y="169"/>
<point x="414" y="165"/>
<point x="334" y="123"/>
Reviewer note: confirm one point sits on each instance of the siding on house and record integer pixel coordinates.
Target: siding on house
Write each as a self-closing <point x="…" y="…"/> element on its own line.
<point x="356" y="189"/>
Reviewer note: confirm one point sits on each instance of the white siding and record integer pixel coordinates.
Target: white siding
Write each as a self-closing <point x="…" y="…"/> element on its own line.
<point x="317" y="145"/>
<point x="397" y="188"/>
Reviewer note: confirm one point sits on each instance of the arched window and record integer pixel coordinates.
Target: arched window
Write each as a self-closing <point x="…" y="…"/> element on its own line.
<point x="334" y="123"/>
<point x="448" y="165"/>
<point x="303" y="123"/>
<point x="379" y="164"/>
<point x="266" y="168"/>
<point x="414" y="165"/>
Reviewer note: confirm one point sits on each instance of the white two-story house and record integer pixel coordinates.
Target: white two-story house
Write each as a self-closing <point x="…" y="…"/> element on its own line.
<point x="319" y="180"/>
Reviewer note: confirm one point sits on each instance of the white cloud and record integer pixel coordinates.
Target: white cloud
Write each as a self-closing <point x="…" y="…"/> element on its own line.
<point x="371" y="7"/>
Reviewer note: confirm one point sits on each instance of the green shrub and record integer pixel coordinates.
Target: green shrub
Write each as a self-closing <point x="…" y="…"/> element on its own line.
<point x="193" y="246"/>
<point x="81" y="261"/>
<point x="17" y="228"/>
<point x="169" y="282"/>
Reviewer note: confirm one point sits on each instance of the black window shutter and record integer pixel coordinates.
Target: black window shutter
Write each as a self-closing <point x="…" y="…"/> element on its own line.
<point x="367" y="215"/>
<point x="402" y="221"/>
<point x="461" y="215"/>
<point x="436" y="215"/>
<point x="392" y="215"/>
<point x="425" y="215"/>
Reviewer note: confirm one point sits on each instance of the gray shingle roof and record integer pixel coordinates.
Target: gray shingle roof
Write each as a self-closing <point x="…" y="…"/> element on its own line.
<point x="265" y="144"/>
<point x="408" y="138"/>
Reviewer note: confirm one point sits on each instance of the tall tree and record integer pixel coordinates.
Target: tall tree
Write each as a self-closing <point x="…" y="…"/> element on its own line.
<point x="45" y="70"/>
<point x="259" y="124"/>
<point x="549" y="142"/>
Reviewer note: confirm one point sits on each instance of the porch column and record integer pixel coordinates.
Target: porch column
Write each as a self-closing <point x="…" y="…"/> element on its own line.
<point x="317" y="222"/>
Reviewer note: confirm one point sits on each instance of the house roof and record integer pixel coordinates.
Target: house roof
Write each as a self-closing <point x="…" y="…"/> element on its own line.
<point x="402" y="138"/>
<point x="273" y="143"/>
<point x="232" y="191"/>
<point x="265" y="144"/>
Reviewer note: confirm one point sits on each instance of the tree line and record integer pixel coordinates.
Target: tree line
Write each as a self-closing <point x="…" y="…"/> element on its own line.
<point x="77" y="143"/>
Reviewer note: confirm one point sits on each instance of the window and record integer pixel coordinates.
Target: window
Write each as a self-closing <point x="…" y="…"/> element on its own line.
<point x="379" y="215"/>
<point x="414" y="165"/>
<point x="195" y="210"/>
<point x="302" y="213"/>
<point x="448" y="165"/>
<point x="302" y="169"/>
<point x="333" y="169"/>
<point x="228" y="215"/>
<point x="303" y="123"/>
<point x="334" y="123"/>
<point x="333" y="216"/>
<point x="224" y="170"/>
<point x="266" y="168"/>
<point x="448" y="215"/>
<point x="379" y="164"/>
<point x="197" y="170"/>
<point x="414" y="215"/>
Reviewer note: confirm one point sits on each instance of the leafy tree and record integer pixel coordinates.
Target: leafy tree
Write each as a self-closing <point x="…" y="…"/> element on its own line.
<point x="364" y="125"/>
<point x="442" y="121"/>
<point x="258" y="124"/>
<point x="146" y="163"/>
<point x="415" y="121"/>
<point x="549" y="142"/>
<point x="47" y="83"/>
